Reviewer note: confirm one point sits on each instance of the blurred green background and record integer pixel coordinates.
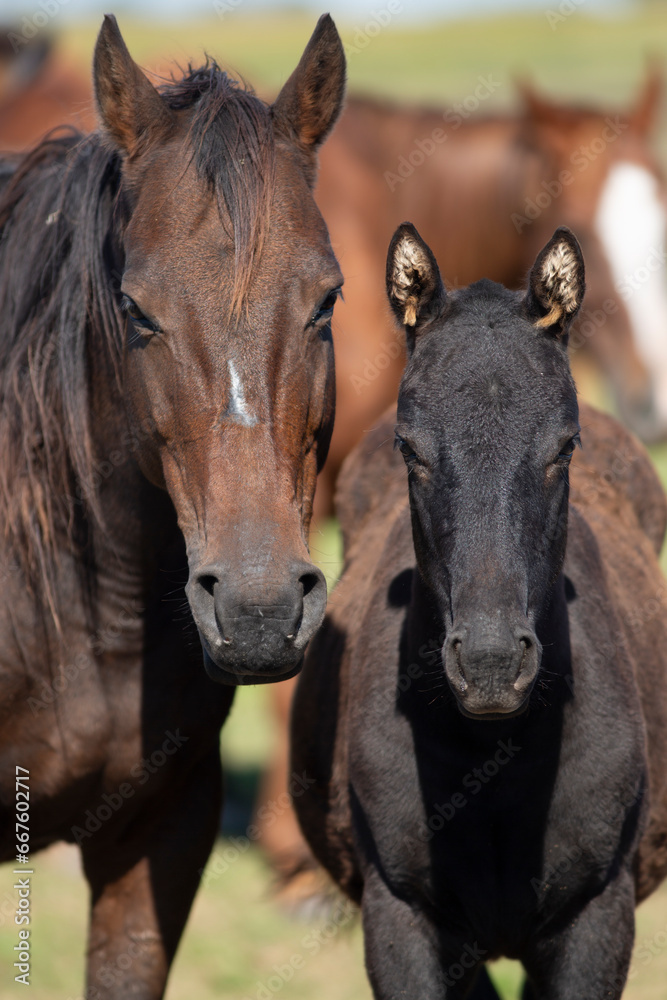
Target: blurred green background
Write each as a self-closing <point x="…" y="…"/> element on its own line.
<point x="238" y="933"/>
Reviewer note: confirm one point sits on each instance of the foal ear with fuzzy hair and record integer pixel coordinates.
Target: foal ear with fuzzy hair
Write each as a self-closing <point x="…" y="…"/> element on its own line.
<point x="414" y="286"/>
<point x="556" y="284"/>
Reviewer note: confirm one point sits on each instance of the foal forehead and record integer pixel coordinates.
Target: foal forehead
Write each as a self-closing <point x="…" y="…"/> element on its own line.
<point x="486" y="368"/>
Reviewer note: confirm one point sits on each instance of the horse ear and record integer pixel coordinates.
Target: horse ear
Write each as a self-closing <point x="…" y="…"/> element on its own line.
<point x="556" y="284"/>
<point x="547" y="125"/>
<point x="535" y="106"/>
<point x="308" y="106"/>
<point x="414" y="286"/>
<point x="131" y="110"/>
<point x="646" y="109"/>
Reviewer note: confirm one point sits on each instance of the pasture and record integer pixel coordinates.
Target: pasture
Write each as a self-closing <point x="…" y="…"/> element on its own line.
<point x="237" y="936"/>
<point x="240" y="943"/>
<point x="238" y="932"/>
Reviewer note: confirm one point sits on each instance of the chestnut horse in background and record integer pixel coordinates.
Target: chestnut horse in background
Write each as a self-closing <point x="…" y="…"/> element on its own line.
<point x="166" y="400"/>
<point x="38" y="91"/>
<point x="483" y="714"/>
<point x="486" y="193"/>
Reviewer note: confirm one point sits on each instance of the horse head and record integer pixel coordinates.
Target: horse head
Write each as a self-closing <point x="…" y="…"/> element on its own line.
<point x="598" y="174"/>
<point x="487" y="424"/>
<point x="227" y="290"/>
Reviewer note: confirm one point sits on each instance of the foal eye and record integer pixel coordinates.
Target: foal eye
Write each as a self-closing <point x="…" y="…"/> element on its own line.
<point x="130" y="307"/>
<point x="567" y="451"/>
<point x="405" y="448"/>
<point x="326" y="307"/>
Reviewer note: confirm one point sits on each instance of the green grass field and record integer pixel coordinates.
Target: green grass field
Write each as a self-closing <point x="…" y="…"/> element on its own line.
<point x="579" y="58"/>
<point x="239" y="938"/>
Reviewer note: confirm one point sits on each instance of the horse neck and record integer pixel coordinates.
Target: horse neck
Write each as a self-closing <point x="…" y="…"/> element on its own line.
<point x="479" y="178"/>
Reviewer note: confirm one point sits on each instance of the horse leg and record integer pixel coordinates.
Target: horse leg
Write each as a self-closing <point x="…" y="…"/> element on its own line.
<point x="143" y="886"/>
<point x="403" y="950"/>
<point x="528" y="992"/>
<point x="279" y="834"/>
<point x="564" y="965"/>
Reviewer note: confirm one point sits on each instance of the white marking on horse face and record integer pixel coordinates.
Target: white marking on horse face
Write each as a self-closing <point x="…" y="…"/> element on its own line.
<point x="237" y="408"/>
<point x="631" y="223"/>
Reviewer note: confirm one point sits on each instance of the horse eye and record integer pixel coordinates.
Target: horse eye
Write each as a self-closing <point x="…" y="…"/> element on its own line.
<point x="138" y="318"/>
<point x="405" y="448"/>
<point x="326" y="307"/>
<point x="566" y="453"/>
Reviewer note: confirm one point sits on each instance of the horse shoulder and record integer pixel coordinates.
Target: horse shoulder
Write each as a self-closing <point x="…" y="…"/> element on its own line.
<point x="613" y="473"/>
<point x="373" y="511"/>
<point x="617" y="617"/>
<point x="372" y="483"/>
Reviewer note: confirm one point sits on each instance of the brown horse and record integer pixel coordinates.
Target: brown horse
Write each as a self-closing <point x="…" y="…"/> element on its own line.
<point x="167" y="391"/>
<point x="484" y="713"/>
<point x="486" y="193"/>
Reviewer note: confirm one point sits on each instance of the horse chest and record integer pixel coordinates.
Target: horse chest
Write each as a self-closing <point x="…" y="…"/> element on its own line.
<point x="462" y="835"/>
<point x="117" y="711"/>
<point x="489" y="835"/>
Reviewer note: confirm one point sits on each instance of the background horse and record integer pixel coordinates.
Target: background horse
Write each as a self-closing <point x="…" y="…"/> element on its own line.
<point x="39" y="90"/>
<point x="484" y="711"/>
<point x="167" y="398"/>
<point x="486" y="193"/>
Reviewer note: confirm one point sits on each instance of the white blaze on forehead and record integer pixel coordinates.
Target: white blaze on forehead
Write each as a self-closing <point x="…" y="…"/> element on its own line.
<point x="630" y="222"/>
<point x="237" y="407"/>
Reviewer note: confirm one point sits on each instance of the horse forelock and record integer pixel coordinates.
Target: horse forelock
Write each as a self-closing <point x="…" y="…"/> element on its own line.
<point x="234" y="152"/>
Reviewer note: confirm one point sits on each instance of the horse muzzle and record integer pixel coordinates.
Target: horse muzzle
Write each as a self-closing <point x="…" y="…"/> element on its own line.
<point x="491" y="668"/>
<point x="256" y="631"/>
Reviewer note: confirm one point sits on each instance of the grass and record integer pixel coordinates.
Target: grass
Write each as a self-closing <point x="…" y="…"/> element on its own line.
<point x="582" y="57"/>
<point x="240" y="944"/>
<point x="238" y="934"/>
<point x="235" y="940"/>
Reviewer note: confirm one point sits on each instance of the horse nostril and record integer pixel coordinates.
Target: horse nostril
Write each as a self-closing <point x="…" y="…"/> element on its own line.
<point x="313" y="605"/>
<point x="208" y="582"/>
<point x="527" y="645"/>
<point x="308" y="581"/>
<point x="453" y="666"/>
<point x="530" y="662"/>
